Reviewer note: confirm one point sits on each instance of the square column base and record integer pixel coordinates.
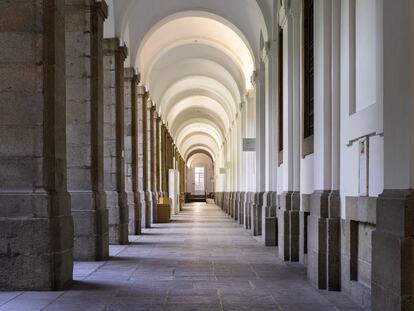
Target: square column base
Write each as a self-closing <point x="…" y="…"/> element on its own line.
<point x="91" y="238"/>
<point x="35" y="253"/>
<point x="393" y="252"/>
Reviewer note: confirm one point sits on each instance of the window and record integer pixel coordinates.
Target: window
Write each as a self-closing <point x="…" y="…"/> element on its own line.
<point x="308" y="72"/>
<point x="199" y="179"/>
<point x="280" y="97"/>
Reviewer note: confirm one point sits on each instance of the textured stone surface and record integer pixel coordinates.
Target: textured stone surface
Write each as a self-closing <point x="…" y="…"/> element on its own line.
<point x="84" y="109"/>
<point x="114" y="141"/>
<point x="323" y="260"/>
<point x="303" y="229"/>
<point x="356" y="248"/>
<point x="393" y="249"/>
<point x="269" y="235"/>
<point x="202" y="261"/>
<point x="36" y="228"/>
<point x="131" y="130"/>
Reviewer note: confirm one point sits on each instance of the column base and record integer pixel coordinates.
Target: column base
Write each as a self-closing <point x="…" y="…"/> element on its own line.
<point x="241" y="208"/>
<point x="288" y="225"/>
<point x="303" y="229"/>
<point x="131" y="212"/>
<point x="139" y="200"/>
<point x="269" y="219"/>
<point x="117" y="217"/>
<point x="256" y="213"/>
<point x="35" y="253"/>
<point x="91" y="238"/>
<point x="148" y="210"/>
<point x="324" y="240"/>
<point x="155" y="198"/>
<point x="393" y="252"/>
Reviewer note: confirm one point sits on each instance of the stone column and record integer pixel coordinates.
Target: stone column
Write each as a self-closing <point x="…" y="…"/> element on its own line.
<point x="154" y="155"/>
<point x="36" y="226"/>
<point x="167" y="160"/>
<point x="131" y="150"/>
<point x="182" y="180"/>
<point x="289" y="198"/>
<point x="162" y="156"/>
<point x="148" y="161"/>
<point x="84" y="85"/>
<point x="269" y="220"/>
<point x="157" y="157"/>
<point x="141" y="156"/>
<point x="114" y="168"/>
<point x="147" y="151"/>
<point x="324" y="223"/>
<point x="393" y="239"/>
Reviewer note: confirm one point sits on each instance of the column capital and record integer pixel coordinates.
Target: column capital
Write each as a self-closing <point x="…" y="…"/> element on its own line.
<point x="101" y="8"/>
<point x="112" y="46"/>
<point x="141" y="90"/>
<point x="129" y="73"/>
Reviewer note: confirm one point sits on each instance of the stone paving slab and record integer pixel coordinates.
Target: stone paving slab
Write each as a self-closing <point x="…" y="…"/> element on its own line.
<point x="202" y="261"/>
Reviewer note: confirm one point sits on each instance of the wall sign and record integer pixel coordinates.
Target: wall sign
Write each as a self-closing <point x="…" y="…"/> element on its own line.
<point x="249" y="144"/>
<point x="363" y="167"/>
<point x="222" y="170"/>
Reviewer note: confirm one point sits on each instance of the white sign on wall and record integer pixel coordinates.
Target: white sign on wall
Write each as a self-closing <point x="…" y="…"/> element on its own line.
<point x="222" y="170"/>
<point x="363" y="167"/>
<point x="249" y="144"/>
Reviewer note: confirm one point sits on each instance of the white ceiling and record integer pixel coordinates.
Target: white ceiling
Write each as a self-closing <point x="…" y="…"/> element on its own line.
<point x="196" y="58"/>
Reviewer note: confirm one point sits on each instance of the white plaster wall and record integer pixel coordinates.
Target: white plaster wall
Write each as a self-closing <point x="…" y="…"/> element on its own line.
<point x="365" y="43"/>
<point x="361" y="111"/>
<point x="306" y="176"/>
<point x="109" y="24"/>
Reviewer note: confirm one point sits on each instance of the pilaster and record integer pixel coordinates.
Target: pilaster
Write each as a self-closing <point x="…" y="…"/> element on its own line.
<point x="142" y="152"/>
<point x="324" y="240"/>
<point x="114" y="141"/>
<point x="36" y="226"/>
<point x="149" y="137"/>
<point x="84" y="92"/>
<point x="288" y="225"/>
<point x="131" y="81"/>
<point x="269" y="218"/>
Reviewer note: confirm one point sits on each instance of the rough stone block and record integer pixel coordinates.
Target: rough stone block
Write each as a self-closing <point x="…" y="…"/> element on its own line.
<point x="270" y="236"/>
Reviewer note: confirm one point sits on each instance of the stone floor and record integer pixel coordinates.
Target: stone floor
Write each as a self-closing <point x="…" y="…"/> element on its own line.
<point x="202" y="261"/>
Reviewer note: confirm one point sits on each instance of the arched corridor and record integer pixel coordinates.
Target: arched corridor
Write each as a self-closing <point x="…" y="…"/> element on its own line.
<point x="213" y="154"/>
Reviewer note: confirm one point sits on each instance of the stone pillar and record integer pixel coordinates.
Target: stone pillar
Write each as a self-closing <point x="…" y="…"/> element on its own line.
<point x="36" y="226"/>
<point x="164" y="158"/>
<point x="324" y="220"/>
<point x="158" y="122"/>
<point x="141" y="153"/>
<point x="116" y="198"/>
<point x="147" y="163"/>
<point x="269" y="219"/>
<point x="256" y="210"/>
<point x="154" y="155"/>
<point x="161" y="137"/>
<point x="131" y="150"/>
<point x="303" y="228"/>
<point x="146" y="151"/>
<point x="84" y="93"/>
<point x="393" y="239"/>
<point x="289" y="161"/>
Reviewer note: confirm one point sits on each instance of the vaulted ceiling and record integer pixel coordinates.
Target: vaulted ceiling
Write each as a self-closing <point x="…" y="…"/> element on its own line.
<point x="196" y="58"/>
